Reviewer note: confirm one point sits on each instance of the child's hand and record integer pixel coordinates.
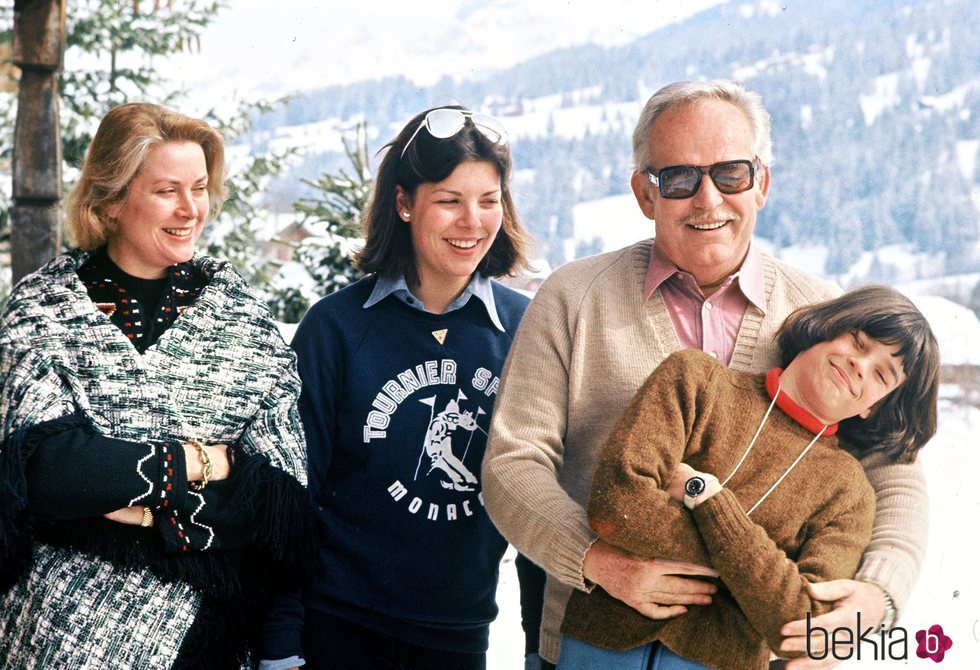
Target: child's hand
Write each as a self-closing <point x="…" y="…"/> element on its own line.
<point x="675" y="487"/>
<point x="683" y="472"/>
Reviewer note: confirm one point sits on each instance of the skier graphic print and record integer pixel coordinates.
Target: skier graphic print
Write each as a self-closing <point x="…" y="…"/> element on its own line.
<point x="439" y="444"/>
<point x="451" y="419"/>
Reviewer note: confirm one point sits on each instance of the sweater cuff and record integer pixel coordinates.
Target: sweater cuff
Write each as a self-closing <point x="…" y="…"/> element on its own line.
<point x="568" y="552"/>
<point x="889" y="576"/>
<point x="164" y="469"/>
<point x="721" y="519"/>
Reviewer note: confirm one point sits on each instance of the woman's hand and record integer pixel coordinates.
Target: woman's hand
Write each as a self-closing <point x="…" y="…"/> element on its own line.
<point x="220" y="462"/>
<point x="128" y="515"/>
<point x="683" y="472"/>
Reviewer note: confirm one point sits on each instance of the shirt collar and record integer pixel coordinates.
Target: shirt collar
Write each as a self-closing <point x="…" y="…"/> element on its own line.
<point x="750" y="276"/>
<point x="480" y="287"/>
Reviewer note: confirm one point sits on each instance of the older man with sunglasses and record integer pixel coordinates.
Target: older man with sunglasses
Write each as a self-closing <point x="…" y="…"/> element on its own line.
<point x="598" y="327"/>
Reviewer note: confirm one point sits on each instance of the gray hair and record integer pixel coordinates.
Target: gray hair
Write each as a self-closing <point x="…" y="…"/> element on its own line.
<point x="685" y="92"/>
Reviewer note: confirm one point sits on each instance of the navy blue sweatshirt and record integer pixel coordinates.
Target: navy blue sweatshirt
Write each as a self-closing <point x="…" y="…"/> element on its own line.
<point x="396" y="405"/>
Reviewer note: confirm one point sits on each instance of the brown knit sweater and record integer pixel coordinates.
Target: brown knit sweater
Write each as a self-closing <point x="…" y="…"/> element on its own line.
<point x="813" y="527"/>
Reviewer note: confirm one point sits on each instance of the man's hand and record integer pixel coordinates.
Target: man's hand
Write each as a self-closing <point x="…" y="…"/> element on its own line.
<point x="849" y="598"/>
<point x="675" y="487"/>
<point x="654" y="587"/>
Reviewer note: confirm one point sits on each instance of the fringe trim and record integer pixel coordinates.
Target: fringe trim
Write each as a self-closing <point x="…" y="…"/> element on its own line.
<point x="235" y="584"/>
<point x="17" y="531"/>
<point x="219" y="637"/>
<point x="285" y="520"/>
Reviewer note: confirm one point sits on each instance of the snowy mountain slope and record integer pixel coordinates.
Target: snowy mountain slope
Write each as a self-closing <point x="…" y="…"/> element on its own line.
<point x="253" y="43"/>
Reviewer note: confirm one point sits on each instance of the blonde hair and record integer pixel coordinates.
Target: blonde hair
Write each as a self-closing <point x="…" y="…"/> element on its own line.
<point x="116" y="155"/>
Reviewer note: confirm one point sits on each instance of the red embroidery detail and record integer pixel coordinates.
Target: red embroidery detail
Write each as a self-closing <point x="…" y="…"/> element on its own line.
<point x="107" y="308"/>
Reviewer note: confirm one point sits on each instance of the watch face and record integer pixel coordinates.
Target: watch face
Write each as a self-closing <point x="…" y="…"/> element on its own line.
<point x="694" y="486"/>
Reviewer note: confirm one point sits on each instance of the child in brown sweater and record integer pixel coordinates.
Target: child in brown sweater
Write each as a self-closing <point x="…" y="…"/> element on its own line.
<point x="755" y="475"/>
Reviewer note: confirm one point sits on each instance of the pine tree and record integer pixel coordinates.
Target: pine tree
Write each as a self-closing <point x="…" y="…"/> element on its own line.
<point x="113" y="49"/>
<point x="332" y="219"/>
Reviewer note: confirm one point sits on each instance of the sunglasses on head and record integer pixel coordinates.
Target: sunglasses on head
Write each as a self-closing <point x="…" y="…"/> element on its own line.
<point x="683" y="181"/>
<point x="443" y="123"/>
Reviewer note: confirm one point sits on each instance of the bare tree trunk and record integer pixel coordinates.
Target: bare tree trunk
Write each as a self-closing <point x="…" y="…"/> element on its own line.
<point x="35" y="217"/>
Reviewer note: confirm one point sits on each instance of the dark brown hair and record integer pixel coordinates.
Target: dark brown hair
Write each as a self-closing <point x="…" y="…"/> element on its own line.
<point x="904" y="420"/>
<point x="388" y="246"/>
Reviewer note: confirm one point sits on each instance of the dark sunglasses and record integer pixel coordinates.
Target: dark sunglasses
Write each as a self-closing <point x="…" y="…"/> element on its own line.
<point x="443" y="123"/>
<point x="683" y="181"/>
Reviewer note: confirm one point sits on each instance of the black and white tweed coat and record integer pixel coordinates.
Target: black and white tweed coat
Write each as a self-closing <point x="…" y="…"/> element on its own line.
<point x="220" y="373"/>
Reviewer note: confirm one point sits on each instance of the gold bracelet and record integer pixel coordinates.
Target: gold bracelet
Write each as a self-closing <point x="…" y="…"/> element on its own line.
<point x="205" y="461"/>
<point x="147" y="518"/>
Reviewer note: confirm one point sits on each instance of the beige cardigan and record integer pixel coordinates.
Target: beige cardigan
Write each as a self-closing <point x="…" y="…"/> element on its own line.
<point x="587" y="343"/>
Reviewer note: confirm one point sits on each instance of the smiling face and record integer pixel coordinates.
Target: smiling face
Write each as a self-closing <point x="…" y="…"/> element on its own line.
<point x="843" y="377"/>
<point x="163" y="212"/>
<point x="708" y="234"/>
<point x="453" y="223"/>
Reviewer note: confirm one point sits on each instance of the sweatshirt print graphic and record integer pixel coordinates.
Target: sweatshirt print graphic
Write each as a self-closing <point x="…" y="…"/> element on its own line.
<point x="451" y="417"/>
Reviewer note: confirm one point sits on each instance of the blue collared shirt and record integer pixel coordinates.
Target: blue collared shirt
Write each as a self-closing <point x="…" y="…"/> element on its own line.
<point x="479" y="287"/>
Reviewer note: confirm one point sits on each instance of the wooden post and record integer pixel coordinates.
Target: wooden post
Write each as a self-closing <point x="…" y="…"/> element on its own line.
<point x="35" y="216"/>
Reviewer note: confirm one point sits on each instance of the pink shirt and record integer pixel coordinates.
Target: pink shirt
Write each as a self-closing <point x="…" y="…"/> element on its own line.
<point x="710" y="324"/>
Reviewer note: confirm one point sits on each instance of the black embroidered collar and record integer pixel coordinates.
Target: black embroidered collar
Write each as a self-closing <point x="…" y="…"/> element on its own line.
<point x="142" y="309"/>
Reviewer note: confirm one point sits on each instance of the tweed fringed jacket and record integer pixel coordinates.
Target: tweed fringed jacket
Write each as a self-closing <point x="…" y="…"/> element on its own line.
<point x="84" y="592"/>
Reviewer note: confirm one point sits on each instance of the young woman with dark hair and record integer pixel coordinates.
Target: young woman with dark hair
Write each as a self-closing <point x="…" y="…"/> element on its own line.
<point x="400" y="372"/>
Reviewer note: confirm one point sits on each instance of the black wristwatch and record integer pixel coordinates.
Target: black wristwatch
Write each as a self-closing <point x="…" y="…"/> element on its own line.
<point x="695" y="486"/>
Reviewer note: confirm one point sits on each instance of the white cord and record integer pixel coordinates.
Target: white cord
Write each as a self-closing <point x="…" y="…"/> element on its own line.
<point x="788" y="470"/>
<point x="752" y="444"/>
<point x="754" y="437"/>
